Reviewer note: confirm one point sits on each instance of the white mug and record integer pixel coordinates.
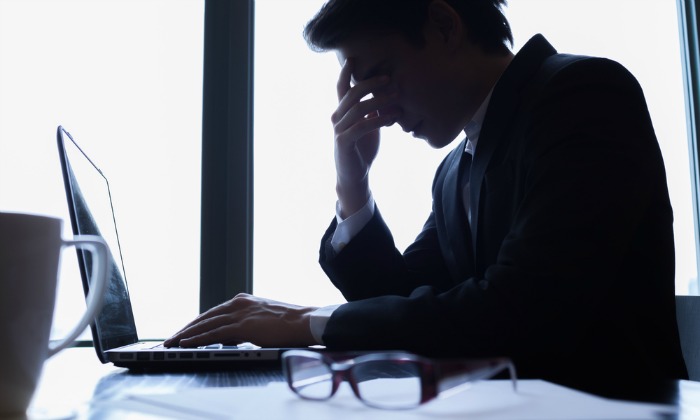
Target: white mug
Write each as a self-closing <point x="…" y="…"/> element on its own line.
<point x="30" y="247"/>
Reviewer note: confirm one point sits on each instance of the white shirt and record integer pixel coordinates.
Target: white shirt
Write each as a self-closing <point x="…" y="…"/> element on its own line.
<point x="349" y="227"/>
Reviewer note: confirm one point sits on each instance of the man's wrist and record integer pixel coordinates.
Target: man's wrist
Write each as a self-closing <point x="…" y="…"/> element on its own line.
<point x="318" y="320"/>
<point x="349" y="227"/>
<point x="307" y="337"/>
<point x="352" y="198"/>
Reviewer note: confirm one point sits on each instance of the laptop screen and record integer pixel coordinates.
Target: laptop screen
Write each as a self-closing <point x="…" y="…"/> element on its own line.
<point x="92" y="213"/>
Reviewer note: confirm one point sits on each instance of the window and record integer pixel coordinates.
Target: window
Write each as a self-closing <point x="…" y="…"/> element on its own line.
<point x="125" y="78"/>
<point x="295" y="96"/>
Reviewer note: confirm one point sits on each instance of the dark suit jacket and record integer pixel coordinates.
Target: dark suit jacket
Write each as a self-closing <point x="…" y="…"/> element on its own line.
<point x="568" y="263"/>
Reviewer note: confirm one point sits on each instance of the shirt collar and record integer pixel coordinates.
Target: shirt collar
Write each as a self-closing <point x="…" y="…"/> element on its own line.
<point x="473" y="127"/>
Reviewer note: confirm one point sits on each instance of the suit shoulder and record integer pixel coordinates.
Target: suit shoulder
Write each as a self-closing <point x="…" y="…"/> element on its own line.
<point x="581" y="69"/>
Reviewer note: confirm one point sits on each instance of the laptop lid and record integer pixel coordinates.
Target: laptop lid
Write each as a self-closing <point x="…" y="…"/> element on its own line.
<point x="91" y="213"/>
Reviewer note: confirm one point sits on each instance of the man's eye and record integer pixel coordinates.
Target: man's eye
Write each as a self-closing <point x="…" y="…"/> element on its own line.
<point x="354" y="80"/>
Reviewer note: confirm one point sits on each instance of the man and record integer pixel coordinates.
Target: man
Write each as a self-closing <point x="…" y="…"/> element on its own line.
<point x="550" y="239"/>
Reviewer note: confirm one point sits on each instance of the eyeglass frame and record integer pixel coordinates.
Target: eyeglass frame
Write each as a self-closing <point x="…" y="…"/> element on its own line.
<point x="439" y="378"/>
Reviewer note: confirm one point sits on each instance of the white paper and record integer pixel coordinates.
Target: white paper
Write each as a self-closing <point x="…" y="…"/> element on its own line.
<point x="534" y="399"/>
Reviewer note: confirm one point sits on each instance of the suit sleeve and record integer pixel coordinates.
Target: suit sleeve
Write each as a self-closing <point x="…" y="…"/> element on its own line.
<point x="370" y="265"/>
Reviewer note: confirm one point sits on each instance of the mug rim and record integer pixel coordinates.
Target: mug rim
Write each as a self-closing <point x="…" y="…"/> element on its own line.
<point x="20" y="214"/>
<point x="30" y="223"/>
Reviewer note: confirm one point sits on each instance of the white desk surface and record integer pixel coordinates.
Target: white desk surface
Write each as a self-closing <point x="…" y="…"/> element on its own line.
<point x="75" y="385"/>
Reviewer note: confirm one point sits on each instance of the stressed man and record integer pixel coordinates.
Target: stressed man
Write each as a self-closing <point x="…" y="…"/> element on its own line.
<point x="550" y="240"/>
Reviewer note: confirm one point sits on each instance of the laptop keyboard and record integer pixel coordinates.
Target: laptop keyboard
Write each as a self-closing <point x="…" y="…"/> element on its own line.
<point x="217" y="346"/>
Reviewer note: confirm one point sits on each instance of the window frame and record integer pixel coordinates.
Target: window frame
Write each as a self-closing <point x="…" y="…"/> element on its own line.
<point x="227" y="152"/>
<point x="690" y="56"/>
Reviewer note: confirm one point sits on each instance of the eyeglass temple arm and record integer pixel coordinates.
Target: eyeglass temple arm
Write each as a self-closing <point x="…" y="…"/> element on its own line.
<point x="453" y="376"/>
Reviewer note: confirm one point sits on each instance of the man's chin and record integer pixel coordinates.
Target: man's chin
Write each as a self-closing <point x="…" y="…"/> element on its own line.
<point x="437" y="142"/>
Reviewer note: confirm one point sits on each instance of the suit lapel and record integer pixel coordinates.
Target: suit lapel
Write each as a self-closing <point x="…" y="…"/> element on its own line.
<point x="456" y="228"/>
<point x="502" y="107"/>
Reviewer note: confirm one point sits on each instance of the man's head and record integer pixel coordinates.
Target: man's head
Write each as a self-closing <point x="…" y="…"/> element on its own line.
<point x="339" y="20"/>
<point x="442" y="56"/>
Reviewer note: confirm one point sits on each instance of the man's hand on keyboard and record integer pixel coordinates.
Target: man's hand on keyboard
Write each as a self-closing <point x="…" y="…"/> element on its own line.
<point x="247" y="318"/>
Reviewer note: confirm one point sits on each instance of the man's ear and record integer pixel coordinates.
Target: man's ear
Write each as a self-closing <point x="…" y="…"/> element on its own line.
<point x="448" y="23"/>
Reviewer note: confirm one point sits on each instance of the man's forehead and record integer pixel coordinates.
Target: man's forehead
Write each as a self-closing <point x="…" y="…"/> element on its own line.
<point x="368" y="49"/>
<point x="361" y="44"/>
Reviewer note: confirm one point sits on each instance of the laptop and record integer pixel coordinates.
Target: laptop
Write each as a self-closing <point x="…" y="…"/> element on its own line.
<point x="114" y="328"/>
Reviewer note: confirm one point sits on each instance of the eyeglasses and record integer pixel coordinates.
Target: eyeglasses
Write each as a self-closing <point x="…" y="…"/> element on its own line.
<point x="388" y="380"/>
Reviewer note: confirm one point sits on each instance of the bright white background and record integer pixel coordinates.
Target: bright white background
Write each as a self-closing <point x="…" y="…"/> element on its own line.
<point x="295" y="96"/>
<point x="125" y="78"/>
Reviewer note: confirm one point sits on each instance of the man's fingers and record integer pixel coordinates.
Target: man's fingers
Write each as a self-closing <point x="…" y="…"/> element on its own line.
<point x="214" y="318"/>
<point x="212" y="312"/>
<point x="223" y="334"/>
<point x="248" y="318"/>
<point x="205" y="325"/>
<point x="239" y="301"/>
<point x="349" y="138"/>
<point x="343" y="85"/>
<point x="365" y="110"/>
<point x="354" y="95"/>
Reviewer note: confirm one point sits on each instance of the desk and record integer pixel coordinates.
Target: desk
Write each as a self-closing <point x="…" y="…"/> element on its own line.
<point x="74" y="382"/>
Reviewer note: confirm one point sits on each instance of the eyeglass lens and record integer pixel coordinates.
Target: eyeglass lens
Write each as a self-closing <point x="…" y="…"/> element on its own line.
<point x="383" y="383"/>
<point x="388" y="383"/>
<point x="310" y="378"/>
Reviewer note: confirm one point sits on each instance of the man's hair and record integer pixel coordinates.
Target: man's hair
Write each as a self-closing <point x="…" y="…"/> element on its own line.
<point x="339" y="20"/>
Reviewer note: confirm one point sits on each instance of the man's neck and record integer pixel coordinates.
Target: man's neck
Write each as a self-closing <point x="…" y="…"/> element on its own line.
<point x="493" y="70"/>
<point x="489" y="71"/>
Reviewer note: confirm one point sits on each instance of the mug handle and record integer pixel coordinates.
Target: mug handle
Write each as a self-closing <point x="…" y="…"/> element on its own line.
<point x="95" y="298"/>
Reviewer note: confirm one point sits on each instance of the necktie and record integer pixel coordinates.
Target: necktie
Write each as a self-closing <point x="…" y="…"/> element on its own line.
<point x="467" y="164"/>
